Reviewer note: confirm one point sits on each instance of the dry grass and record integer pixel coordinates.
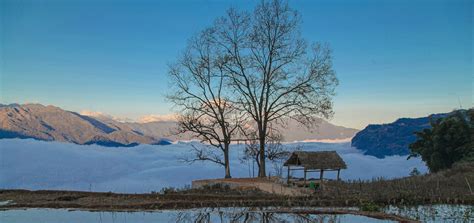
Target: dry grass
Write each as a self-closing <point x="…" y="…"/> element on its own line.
<point x="448" y="187"/>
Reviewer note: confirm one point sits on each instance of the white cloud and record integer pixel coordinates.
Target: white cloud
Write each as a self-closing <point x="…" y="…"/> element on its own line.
<point x="31" y="164"/>
<point x="142" y="119"/>
<point x="97" y="114"/>
<point x="94" y="114"/>
<point x="327" y="140"/>
<point x="157" y="118"/>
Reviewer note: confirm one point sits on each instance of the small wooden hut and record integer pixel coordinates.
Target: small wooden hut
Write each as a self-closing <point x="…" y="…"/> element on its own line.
<point x="315" y="162"/>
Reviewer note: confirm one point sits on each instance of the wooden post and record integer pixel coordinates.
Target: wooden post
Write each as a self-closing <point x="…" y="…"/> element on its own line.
<point x="338" y="171"/>
<point x="288" y="175"/>
<point x="304" y="185"/>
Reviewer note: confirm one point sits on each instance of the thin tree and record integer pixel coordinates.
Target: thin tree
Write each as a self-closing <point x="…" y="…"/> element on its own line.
<point x="274" y="72"/>
<point x="275" y="151"/>
<point x="200" y="95"/>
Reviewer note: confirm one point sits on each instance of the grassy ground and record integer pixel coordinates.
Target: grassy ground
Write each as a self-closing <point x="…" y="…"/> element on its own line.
<point x="453" y="186"/>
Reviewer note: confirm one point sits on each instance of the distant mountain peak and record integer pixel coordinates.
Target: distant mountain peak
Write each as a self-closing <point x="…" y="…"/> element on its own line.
<point x="51" y="123"/>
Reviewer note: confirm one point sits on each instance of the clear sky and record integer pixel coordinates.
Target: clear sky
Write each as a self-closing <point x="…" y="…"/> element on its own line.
<point x="393" y="58"/>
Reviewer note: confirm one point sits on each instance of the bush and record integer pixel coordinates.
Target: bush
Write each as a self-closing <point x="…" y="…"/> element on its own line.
<point x="168" y="190"/>
<point x="415" y="172"/>
<point x="450" y="140"/>
<point x="369" y="206"/>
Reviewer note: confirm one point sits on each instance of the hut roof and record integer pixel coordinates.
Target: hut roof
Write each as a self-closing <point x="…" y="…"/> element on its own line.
<point x="316" y="160"/>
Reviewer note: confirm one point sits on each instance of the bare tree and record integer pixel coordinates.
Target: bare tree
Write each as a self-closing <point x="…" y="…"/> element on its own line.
<point x="274" y="72"/>
<point x="275" y="151"/>
<point x="205" y="111"/>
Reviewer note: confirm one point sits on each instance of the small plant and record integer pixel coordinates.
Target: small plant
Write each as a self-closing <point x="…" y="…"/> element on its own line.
<point x="415" y="172"/>
<point x="369" y="206"/>
<point x="168" y="190"/>
<point x="313" y="186"/>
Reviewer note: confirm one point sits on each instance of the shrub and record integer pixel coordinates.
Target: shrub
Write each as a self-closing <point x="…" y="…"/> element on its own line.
<point x="415" y="172"/>
<point x="450" y="140"/>
<point x="168" y="190"/>
<point x="369" y="206"/>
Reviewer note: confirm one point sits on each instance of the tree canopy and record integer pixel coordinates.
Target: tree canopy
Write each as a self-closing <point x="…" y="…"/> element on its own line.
<point x="450" y="140"/>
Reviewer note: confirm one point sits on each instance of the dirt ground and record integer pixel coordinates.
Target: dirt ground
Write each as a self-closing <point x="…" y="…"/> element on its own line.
<point x="130" y="202"/>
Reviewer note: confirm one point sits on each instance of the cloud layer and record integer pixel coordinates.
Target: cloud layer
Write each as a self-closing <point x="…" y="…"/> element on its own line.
<point x="157" y="118"/>
<point x="31" y="164"/>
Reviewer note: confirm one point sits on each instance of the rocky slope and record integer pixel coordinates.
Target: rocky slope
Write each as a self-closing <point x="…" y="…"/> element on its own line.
<point x="393" y="138"/>
<point x="54" y="124"/>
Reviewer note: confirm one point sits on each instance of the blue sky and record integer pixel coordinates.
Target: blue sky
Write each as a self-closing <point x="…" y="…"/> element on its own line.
<point x="393" y="58"/>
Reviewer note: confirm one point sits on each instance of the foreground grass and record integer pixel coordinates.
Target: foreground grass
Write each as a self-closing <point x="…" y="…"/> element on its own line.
<point x="453" y="186"/>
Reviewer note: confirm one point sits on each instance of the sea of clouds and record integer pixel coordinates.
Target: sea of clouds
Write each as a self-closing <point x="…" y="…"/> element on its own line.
<point x="35" y="165"/>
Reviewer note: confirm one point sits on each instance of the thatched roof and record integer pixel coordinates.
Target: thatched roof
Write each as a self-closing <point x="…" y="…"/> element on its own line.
<point x="316" y="160"/>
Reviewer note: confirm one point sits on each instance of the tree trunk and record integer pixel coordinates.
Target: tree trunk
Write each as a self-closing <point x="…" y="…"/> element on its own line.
<point x="226" y="161"/>
<point x="261" y="169"/>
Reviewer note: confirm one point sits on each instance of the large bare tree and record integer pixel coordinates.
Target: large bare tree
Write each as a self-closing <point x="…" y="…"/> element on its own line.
<point x="274" y="72"/>
<point x="204" y="108"/>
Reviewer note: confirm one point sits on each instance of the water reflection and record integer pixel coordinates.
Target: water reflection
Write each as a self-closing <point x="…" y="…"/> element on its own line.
<point x="435" y="213"/>
<point x="218" y="215"/>
<point x="261" y="216"/>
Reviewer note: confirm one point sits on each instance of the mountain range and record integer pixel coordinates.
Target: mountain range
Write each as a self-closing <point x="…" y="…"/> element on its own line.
<point x="51" y="123"/>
